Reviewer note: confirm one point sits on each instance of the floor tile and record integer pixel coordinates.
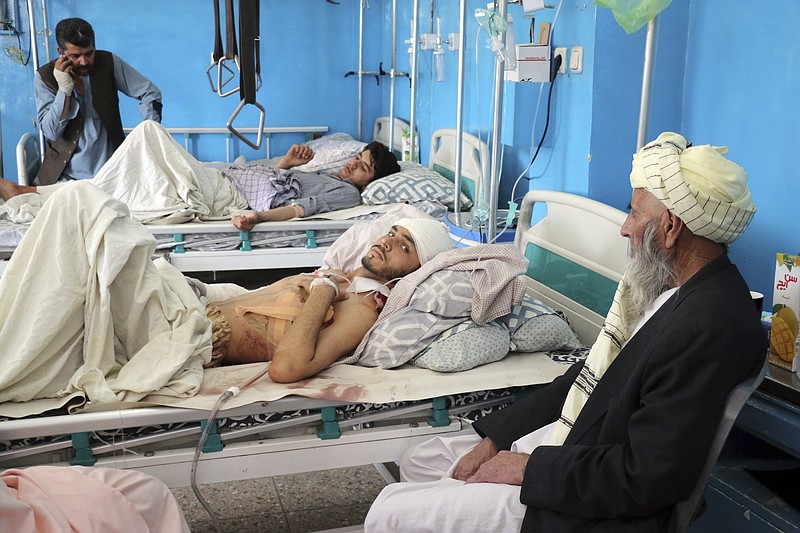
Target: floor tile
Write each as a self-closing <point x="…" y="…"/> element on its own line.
<point x="232" y="499"/>
<point x="261" y="523"/>
<point x="327" y="518"/>
<point x="329" y="488"/>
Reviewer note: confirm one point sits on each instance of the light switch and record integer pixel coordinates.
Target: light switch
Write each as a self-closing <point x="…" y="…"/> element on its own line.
<point x="576" y="60"/>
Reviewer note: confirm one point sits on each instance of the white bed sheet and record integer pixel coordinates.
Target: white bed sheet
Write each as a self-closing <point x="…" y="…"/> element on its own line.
<point x="358" y="384"/>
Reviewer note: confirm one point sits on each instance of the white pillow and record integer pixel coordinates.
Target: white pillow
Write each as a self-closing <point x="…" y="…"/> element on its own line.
<point x="331" y="152"/>
<point x="414" y="183"/>
<point x="466" y="346"/>
<point x="536" y="327"/>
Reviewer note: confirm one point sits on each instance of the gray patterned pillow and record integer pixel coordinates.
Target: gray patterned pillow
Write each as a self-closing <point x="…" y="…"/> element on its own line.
<point x="414" y="183"/>
<point x="465" y="346"/>
<point x="536" y="327"/>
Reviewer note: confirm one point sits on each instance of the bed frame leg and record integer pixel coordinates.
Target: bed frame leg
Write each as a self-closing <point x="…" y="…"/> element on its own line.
<point x="245" y="238"/>
<point x="330" y="427"/>
<point x="82" y="449"/>
<point x="311" y="238"/>
<point x="214" y="439"/>
<point x="439" y="417"/>
<point x="179" y="248"/>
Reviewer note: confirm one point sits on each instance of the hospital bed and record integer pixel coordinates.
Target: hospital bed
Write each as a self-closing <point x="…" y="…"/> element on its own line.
<point x="302" y="243"/>
<point x="347" y="415"/>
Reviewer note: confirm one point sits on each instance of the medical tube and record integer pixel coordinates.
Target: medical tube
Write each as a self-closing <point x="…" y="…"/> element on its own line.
<point x="224" y="397"/>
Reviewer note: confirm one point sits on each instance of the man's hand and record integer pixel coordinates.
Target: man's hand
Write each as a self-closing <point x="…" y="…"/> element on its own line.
<point x="297" y="155"/>
<point x="304" y="285"/>
<point x="505" y="467"/>
<point x="63" y="74"/>
<point x="470" y="463"/>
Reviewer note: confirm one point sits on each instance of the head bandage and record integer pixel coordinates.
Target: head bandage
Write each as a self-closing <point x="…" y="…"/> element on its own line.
<point x="697" y="184"/>
<point x="430" y="236"/>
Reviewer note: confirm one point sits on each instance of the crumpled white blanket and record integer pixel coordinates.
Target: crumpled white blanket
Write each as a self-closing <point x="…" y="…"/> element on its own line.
<point x="160" y="181"/>
<point x="84" y="309"/>
<point x="22" y="209"/>
<point x="156" y="178"/>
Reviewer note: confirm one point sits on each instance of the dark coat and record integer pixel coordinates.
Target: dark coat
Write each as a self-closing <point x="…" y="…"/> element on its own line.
<point x="639" y="444"/>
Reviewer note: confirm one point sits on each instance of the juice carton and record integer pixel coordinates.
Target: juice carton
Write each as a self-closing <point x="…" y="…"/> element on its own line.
<point x="785" y="310"/>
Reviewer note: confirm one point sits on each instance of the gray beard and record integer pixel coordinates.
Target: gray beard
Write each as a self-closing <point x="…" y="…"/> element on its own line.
<point x="650" y="272"/>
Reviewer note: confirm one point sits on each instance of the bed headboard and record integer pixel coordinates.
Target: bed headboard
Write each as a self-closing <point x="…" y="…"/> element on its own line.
<point x="577" y="255"/>
<point x="474" y="158"/>
<point x="382" y="131"/>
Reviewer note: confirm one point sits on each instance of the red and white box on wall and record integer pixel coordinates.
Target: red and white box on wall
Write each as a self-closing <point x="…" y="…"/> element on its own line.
<point x="785" y="310"/>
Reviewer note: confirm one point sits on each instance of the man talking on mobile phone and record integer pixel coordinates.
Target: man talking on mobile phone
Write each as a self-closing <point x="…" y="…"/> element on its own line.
<point x="78" y="105"/>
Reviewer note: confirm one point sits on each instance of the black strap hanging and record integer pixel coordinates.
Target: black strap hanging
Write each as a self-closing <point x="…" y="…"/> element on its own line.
<point x="220" y="57"/>
<point x="230" y="31"/>
<point x="217" y="54"/>
<point x="249" y="57"/>
<point x="249" y="66"/>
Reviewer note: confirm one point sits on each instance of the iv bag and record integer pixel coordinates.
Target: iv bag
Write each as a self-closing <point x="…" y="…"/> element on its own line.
<point x="494" y="25"/>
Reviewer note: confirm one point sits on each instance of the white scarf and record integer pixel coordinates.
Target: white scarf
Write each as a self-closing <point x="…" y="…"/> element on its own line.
<point x="605" y="349"/>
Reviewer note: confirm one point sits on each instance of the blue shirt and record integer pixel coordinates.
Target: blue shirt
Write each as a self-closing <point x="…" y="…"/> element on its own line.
<point x="94" y="148"/>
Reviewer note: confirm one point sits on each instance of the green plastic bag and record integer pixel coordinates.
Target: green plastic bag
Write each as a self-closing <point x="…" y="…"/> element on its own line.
<point x="633" y="14"/>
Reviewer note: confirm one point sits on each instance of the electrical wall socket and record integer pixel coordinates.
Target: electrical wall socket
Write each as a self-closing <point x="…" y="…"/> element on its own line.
<point x="563" y="53"/>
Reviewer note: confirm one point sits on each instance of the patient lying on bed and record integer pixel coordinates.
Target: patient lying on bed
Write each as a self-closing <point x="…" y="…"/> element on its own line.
<point x="89" y="312"/>
<point x="161" y="182"/>
<point x="305" y="323"/>
<point x="316" y="192"/>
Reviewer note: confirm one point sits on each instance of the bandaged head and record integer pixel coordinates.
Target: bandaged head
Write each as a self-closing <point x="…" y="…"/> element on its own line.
<point x="430" y="236"/>
<point x="697" y="184"/>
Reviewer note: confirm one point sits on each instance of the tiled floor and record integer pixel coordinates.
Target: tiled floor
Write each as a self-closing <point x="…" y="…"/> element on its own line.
<point x="296" y="503"/>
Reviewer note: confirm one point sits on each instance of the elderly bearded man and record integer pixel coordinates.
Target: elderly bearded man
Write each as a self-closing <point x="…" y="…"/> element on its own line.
<point x="618" y="440"/>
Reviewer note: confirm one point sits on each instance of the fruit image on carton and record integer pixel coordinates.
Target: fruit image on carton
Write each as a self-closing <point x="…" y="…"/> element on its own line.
<point x="785" y="310"/>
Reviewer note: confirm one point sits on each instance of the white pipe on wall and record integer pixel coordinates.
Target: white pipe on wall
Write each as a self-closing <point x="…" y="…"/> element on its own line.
<point x="45" y="32"/>
<point x="647" y="77"/>
<point x="462" y="28"/>
<point x="392" y="75"/>
<point x="360" y="68"/>
<point x="413" y="74"/>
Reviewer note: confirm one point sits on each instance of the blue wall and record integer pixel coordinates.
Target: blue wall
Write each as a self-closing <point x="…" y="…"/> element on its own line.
<point x="725" y="74"/>
<point x="742" y="90"/>
<point x="308" y="46"/>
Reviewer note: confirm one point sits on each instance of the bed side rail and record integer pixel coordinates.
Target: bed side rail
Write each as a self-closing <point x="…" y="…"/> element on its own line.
<point x="29" y="158"/>
<point x="310" y="132"/>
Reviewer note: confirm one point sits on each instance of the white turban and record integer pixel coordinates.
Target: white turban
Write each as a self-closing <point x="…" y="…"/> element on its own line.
<point x="430" y="236"/>
<point x="697" y="184"/>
